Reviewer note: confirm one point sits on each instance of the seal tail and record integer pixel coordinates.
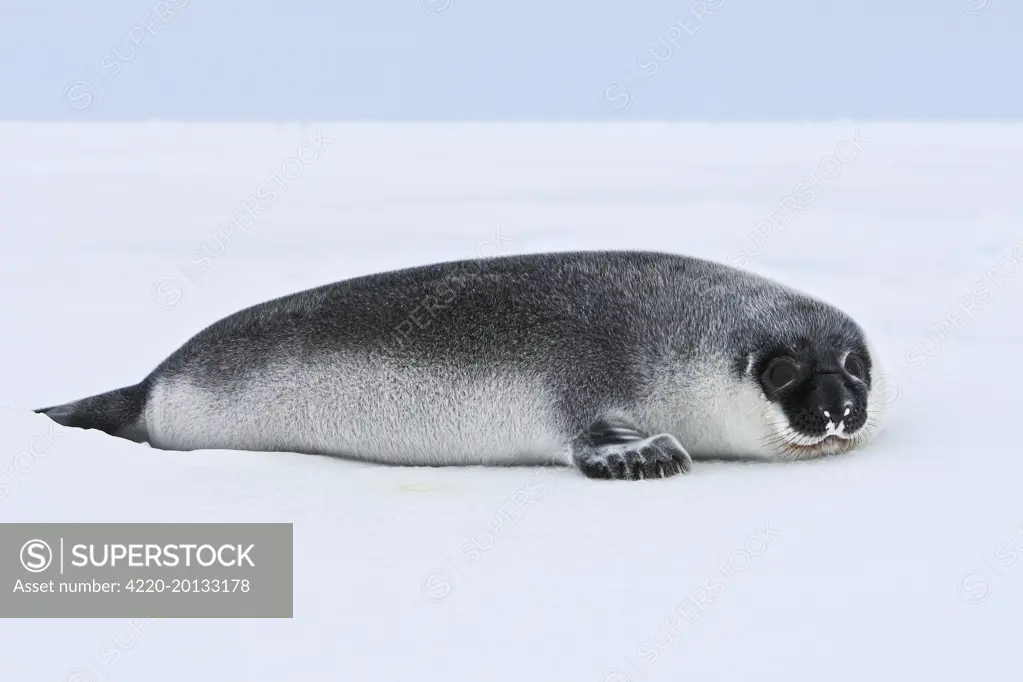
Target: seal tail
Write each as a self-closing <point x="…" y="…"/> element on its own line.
<point x="119" y="413"/>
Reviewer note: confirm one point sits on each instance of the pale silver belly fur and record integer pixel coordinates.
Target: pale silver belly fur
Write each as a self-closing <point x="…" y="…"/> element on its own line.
<point x="388" y="414"/>
<point x="431" y="416"/>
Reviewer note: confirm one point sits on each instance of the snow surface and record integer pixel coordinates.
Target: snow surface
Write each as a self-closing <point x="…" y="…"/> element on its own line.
<point x="897" y="562"/>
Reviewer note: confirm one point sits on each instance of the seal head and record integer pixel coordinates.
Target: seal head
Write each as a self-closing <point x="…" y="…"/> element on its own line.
<point x="819" y="390"/>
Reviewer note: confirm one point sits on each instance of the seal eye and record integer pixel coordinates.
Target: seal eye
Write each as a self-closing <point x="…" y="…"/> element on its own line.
<point x="854" y="366"/>
<point x="780" y="373"/>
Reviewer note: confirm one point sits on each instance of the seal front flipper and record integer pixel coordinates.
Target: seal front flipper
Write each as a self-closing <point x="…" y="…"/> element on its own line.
<point x="615" y="449"/>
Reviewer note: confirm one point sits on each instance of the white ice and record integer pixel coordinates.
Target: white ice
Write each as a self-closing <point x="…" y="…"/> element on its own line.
<point x="897" y="562"/>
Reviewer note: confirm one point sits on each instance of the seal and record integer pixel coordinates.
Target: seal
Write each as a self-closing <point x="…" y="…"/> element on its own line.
<point x="626" y="364"/>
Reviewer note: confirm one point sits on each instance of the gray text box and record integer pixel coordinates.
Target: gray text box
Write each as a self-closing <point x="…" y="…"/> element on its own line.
<point x="146" y="570"/>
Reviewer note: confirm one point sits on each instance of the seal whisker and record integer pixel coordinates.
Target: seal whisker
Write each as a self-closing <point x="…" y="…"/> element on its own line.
<point x="784" y="436"/>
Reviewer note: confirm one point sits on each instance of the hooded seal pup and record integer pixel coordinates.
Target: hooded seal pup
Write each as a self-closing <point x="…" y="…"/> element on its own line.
<point x="625" y="364"/>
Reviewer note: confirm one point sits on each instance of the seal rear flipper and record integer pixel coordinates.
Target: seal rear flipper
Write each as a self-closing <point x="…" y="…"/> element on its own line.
<point x="119" y="413"/>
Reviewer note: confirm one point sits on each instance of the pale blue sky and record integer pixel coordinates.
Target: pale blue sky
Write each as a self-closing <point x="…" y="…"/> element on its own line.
<point x="520" y="60"/>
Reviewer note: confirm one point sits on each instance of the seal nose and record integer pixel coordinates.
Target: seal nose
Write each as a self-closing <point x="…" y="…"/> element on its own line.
<point x="831" y="398"/>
